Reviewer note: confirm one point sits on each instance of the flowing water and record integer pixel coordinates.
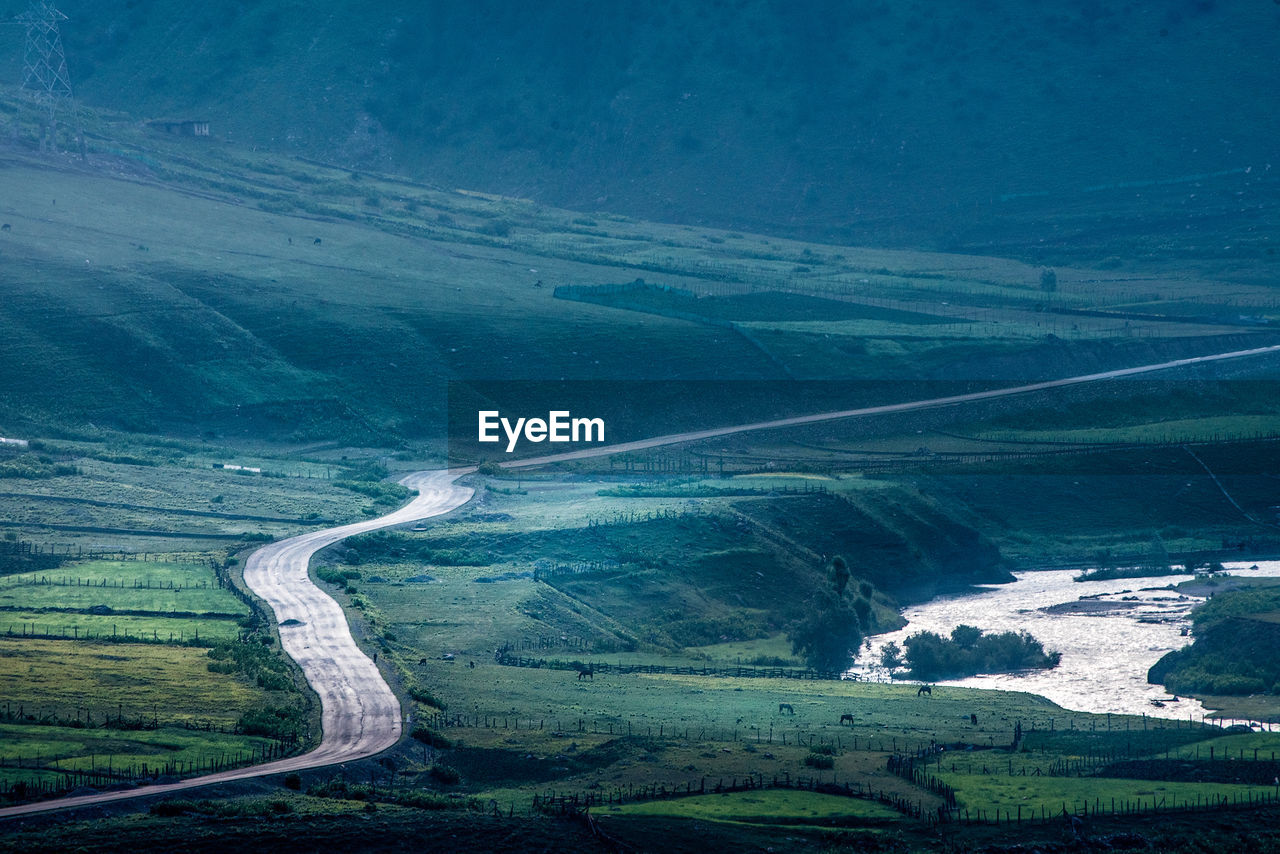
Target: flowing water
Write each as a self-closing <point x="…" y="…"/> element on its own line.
<point x="1109" y="634"/>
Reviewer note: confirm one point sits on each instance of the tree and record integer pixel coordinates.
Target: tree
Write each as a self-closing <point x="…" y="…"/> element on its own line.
<point x="839" y="574"/>
<point x="1157" y="555"/>
<point x="1048" y="280"/>
<point x="965" y="637"/>
<point x="829" y="635"/>
<point x="891" y="657"/>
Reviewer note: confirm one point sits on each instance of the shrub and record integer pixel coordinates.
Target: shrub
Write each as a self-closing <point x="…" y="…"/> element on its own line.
<point x="430" y="737"/>
<point x="425" y="697"/>
<point x="169" y="809"/>
<point x="819" y="761"/>
<point x="293" y="781"/>
<point x="445" y="775"/>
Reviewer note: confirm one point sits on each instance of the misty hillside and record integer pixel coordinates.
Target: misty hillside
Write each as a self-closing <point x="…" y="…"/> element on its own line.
<point x="861" y="121"/>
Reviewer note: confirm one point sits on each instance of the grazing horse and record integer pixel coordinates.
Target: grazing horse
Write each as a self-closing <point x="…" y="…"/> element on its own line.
<point x="785" y="708"/>
<point x="588" y="672"/>
<point x="848" y="718"/>
<point x="925" y="689"/>
<point x="5" y="227"/>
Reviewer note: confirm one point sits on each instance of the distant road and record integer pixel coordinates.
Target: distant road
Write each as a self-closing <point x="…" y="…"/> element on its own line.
<point x="360" y="714"/>
<point x="796" y="421"/>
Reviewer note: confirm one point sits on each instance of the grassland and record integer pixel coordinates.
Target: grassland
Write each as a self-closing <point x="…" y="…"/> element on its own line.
<point x="274" y="318"/>
<point x="1039" y="797"/>
<point x="767" y="806"/>
<point x="107" y="676"/>
<point x="263" y="334"/>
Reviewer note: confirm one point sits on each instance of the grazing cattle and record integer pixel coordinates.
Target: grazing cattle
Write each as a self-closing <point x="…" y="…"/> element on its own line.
<point x="848" y="718"/>
<point x="315" y="242"/>
<point x="785" y="709"/>
<point x="925" y="689"/>
<point x="5" y="227"/>
<point x="587" y="672"/>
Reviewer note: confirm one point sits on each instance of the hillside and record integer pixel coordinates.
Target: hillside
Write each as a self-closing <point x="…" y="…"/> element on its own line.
<point x="950" y="125"/>
<point x="1237" y="633"/>
<point x="160" y="288"/>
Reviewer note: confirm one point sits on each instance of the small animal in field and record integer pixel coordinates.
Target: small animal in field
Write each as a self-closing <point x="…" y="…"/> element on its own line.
<point x="785" y="709"/>
<point x="588" y="672"/>
<point x="848" y="718"/>
<point x="315" y="242"/>
<point x="925" y="689"/>
<point x="973" y="719"/>
<point x="6" y="227"/>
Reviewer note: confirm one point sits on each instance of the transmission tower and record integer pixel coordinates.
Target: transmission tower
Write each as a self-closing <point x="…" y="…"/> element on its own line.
<point x="44" y="66"/>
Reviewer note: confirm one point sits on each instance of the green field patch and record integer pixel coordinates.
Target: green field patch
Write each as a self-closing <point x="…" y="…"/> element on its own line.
<point x="41" y="759"/>
<point x="161" y="587"/>
<point x="1262" y="745"/>
<point x="79" y="625"/>
<point x="771" y="651"/>
<point x="762" y="306"/>
<point x="1050" y="795"/>
<point x="67" y="748"/>
<point x="143" y="682"/>
<point x="1206" y="428"/>
<point x="765" y="806"/>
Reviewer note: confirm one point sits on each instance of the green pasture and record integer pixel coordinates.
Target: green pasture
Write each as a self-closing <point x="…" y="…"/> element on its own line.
<point x="66" y="678"/>
<point x="763" y="807"/>
<point x="57" y="748"/>
<point x="262" y="321"/>
<point x="168" y="501"/>
<point x="135" y="585"/>
<point x="1201" y="429"/>
<point x="147" y="628"/>
<point x="1266" y="745"/>
<point x="1033" y="795"/>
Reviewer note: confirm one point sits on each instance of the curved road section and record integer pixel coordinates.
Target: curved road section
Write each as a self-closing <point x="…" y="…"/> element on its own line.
<point x="360" y="714"/>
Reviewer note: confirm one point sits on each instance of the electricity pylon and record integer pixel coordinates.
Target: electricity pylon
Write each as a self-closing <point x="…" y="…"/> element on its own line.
<point x="44" y="67"/>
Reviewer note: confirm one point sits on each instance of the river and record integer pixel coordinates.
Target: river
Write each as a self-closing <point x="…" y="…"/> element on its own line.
<point x="1106" y="647"/>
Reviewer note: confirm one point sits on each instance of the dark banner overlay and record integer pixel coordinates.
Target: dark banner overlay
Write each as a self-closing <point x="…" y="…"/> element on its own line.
<point x="1116" y="426"/>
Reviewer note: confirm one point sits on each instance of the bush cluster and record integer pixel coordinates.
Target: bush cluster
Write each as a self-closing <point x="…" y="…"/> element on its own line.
<point x="969" y="651"/>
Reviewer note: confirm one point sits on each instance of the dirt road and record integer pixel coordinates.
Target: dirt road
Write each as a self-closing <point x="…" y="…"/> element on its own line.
<point x="361" y="716"/>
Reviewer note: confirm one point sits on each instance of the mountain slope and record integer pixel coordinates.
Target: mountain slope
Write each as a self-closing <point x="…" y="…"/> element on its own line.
<point x="895" y="121"/>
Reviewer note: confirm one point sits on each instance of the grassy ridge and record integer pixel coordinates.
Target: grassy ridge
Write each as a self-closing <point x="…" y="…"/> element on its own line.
<point x="235" y="321"/>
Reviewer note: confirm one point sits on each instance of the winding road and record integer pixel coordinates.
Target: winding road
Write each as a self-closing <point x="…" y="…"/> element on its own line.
<point x="361" y="716"/>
